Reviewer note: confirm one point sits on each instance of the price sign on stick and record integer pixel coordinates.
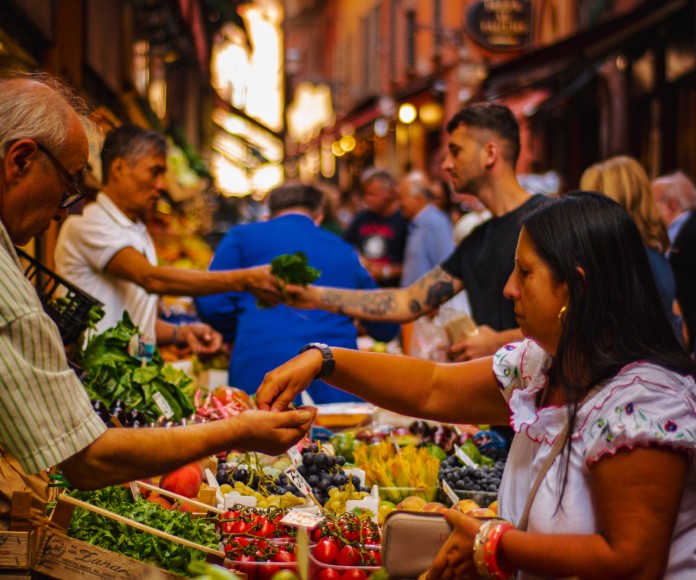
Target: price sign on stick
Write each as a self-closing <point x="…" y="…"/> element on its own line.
<point x="449" y="492"/>
<point x="463" y="457"/>
<point x="294" y="455"/>
<point x="163" y="406"/>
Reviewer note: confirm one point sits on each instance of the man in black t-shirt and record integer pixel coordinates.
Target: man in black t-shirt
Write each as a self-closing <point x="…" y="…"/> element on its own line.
<point x="379" y="232"/>
<point x="484" y="144"/>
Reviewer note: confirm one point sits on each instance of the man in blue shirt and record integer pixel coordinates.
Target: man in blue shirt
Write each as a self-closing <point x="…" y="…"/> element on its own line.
<point x="430" y="240"/>
<point x="265" y="338"/>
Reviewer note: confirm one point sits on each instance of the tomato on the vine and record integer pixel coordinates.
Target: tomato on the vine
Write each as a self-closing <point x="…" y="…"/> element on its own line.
<point x="348" y="556"/>
<point x="329" y="574"/>
<point x="283" y="555"/>
<point x="354" y="574"/>
<point x="326" y="550"/>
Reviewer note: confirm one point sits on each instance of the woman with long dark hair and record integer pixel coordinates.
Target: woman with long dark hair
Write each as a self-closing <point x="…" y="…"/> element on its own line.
<point x="600" y="481"/>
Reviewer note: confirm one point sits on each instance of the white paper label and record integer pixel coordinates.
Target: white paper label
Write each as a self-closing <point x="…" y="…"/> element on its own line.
<point x="135" y="490"/>
<point x="463" y="457"/>
<point x="301" y="518"/>
<point x="450" y="493"/>
<point x="235" y="498"/>
<point x="359" y="472"/>
<point x="368" y="503"/>
<point x="294" y="455"/>
<point x="298" y="481"/>
<point x="396" y="445"/>
<point x="161" y="402"/>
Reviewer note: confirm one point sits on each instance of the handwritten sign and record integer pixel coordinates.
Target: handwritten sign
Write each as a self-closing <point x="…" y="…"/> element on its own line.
<point x="463" y="457"/>
<point x="302" y="519"/>
<point x="163" y="406"/>
<point x="298" y="481"/>
<point x="449" y="492"/>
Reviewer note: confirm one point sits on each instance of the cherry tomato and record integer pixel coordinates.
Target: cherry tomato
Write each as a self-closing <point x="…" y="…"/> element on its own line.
<point x="326" y="551"/>
<point x="329" y="574"/>
<point x="316" y="534"/>
<point x="264" y="529"/>
<point x="377" y="555"/>
<point x="350" y="533"/>
<point x="354" y="574"/>
<point x="244" y="565"/>
<point x="282" y="555"/>
<point x="348" y="556"/>
<point x="240" y="527"/>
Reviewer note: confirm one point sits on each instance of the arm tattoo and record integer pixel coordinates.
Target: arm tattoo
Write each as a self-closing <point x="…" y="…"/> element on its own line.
<point x="414" y="306"/>
<point x="439" y="292"/>
<point x="374" y="303"/>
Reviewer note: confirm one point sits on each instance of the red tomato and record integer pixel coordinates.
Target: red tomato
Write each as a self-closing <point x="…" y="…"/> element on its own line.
<point x="266" y="572"/>
<point x="263" y="529"/>
<point x="282" y="555"/>
<point x="354" y="574"/>
<point x="240" y="527"/>
<point x="348" y="556"/>
<point x="350" y="532"/>
<point x="249" y="569"/>
<point x="329" y="574"/>
<point x="377" y="555"/>
<point x="326" y="551"/>
<point x="316" y="534"/>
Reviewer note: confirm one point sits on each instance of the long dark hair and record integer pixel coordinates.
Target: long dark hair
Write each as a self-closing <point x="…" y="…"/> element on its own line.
<point x="614" y="315"/>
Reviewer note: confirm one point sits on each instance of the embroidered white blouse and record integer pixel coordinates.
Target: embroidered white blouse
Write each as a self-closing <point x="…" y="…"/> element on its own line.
<point x="644" y="405"/>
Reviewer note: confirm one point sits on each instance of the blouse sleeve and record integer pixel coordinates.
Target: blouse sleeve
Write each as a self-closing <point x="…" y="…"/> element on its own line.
<point x="648" y="411"/>
<point x="520" y="365"/>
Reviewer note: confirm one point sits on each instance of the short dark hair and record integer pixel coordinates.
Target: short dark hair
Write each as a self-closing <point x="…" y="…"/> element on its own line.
<point x="291" y="195"/>
<point x="129" y="142"/>
<point x="493" y="117"/>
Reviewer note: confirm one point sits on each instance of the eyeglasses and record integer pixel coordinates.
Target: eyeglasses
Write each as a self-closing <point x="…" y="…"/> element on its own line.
<point x="75" y="190"/>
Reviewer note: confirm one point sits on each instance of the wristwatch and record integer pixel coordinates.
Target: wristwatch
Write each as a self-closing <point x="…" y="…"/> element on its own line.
<point x="328" y="363"/>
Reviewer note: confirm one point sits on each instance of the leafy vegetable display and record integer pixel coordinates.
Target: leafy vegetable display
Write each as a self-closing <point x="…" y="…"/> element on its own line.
<point x="113" y="375"/>
<point x="292" y="269"/>
<point x="118" y="537"/>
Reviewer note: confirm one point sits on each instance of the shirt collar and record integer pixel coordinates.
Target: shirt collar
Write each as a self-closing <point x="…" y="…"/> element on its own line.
<point x="113" y="211"/>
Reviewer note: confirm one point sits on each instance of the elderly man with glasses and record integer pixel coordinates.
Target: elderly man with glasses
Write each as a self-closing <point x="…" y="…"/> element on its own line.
<point x="46" y="417"/>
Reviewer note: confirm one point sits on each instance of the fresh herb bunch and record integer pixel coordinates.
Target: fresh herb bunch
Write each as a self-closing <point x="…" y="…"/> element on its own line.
<point x="291" y="269"/>
<point x="112" y="375"/>
<point x="112" y="535"/>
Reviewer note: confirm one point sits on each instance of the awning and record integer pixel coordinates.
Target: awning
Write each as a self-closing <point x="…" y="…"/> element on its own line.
<point x="559" y="64"/>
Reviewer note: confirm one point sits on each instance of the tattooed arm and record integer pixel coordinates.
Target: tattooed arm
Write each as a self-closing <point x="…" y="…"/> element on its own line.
<point x="392" y="305"/>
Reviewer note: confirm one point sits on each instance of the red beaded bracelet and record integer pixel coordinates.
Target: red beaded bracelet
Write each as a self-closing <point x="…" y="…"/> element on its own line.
<point x="485" y="550"/>
<point x="490" y="552"/>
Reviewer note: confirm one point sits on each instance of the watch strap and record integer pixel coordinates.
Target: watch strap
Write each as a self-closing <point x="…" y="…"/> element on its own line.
<point x="328" y="363"/>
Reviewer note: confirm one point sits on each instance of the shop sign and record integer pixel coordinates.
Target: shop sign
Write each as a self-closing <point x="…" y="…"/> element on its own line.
<point x="500" y="24"/>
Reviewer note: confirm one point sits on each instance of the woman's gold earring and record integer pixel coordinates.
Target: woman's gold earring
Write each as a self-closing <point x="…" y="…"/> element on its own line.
<point x="562" y="316"/>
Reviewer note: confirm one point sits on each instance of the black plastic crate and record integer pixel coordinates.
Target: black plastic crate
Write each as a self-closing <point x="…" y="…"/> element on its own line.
<point x="71" y="316"/>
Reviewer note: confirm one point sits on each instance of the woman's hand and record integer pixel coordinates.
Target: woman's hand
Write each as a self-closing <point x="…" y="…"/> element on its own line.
<point x="280" y="386"/>
<point x="455" y="558"/>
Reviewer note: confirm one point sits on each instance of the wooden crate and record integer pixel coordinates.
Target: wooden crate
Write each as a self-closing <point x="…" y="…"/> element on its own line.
<point x="63" y="558"/>
<point x="15" y="550"/>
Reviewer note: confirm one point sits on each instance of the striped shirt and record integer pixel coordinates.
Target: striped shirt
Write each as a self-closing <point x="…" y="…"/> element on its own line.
<point x="45" y="413"/>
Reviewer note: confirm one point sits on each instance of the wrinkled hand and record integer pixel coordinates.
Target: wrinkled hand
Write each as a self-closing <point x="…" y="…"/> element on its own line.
<point x="263" y="285"/>
<point x="455" y="558"/>
<point x="281" y="385"/>
<point x="298" y="296"/>
<point x="202" y="339"/>
<point x="273" y="433"/>
<point x="485" y="342"/>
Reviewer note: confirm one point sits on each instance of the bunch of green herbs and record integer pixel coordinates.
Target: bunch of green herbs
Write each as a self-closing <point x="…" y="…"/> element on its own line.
<point x="118" y="537"/>
<point x="292" y="269"/>
<point x="113" y="375"/>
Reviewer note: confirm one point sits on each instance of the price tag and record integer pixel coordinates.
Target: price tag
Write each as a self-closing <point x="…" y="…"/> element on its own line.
<point x="294" y="455"/>
<point x="141" y="347"/>
<point x="135" y="490"/>
<point x="463" y="457"/>
<point x="449" y="492"/>
<point x="301" y="518"/>
<point x="396" y="444"/>
<point x="161" y="402"/>
<point x="298" y="481"/>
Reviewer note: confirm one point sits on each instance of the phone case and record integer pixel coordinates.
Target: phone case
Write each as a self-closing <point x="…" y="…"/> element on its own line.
<point x="410" y="541"/>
